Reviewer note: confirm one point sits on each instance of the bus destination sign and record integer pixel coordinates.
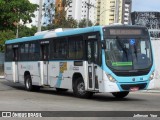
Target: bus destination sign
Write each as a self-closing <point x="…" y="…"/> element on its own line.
<point x="125" y="31"/>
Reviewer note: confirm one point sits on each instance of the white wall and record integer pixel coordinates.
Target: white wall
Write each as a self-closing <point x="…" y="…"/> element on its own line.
<point x="156" y="51"/>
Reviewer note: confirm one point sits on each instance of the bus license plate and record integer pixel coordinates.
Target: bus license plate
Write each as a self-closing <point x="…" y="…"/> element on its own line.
<point x="134" y="88"/>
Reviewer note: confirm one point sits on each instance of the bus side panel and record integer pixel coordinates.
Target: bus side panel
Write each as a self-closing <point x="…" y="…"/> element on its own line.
<point x="57" y="75"/>
<point x="61" y="73"/>
<point x="66" y="69"/>
<point x="32" y="68"/>
<point x="8" y="70"/>
<point x="53" y="73"/>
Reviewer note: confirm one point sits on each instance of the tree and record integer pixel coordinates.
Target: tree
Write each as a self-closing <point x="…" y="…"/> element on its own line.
<point x="60" y="11"/>
<point x="71" y="23"/>
<point x="5" y="35"/>
<point x="82" y="23"/>
<point x="49" y="9"/>
<point x="12" y="11"/>
<point x="26" y="31"/>
<point x="67" y="23"/>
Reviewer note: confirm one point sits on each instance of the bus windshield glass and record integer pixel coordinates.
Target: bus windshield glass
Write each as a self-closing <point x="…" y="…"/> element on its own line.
<point x="128" y="53"/>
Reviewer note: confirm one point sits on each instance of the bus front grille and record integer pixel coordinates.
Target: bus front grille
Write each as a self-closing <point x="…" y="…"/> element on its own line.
<point x="129" y="86"/>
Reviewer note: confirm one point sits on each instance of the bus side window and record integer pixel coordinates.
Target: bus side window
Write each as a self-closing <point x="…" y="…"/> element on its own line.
<point x="44" y="52"/>
<point x="60" y="48"/>
<point x="76" y="47"/>
<point x="9" y="53"/>
<point x="15" y="54"/>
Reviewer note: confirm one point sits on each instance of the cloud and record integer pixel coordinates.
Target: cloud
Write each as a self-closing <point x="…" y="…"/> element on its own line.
<point x="146" y="5"/>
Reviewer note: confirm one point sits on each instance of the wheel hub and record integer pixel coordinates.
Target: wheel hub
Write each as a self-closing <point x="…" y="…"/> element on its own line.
<point x="81" y="88"/>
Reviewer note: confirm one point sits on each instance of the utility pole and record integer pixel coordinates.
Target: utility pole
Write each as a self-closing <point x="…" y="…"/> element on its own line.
<point x="117" y="12"/>
<point x="17" y="31"/>
<point x="39" y="16"/>
<point x="88" y="8"/>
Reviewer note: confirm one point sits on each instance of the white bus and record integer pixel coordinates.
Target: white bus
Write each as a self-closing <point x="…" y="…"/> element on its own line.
<point x="116" y="59"/>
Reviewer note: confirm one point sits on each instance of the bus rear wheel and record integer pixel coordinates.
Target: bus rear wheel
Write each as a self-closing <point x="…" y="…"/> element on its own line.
<point x="29" y="86"/>
<point x="28" y="83"/>
<point x="79" y="89"/>
<point x="120" y="94"/>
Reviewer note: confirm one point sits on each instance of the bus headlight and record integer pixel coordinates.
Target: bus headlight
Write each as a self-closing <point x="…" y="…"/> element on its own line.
<point x="111" y="78"/>
<point x="151" y="76"/>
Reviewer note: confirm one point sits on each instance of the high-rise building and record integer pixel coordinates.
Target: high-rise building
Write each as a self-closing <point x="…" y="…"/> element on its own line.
<point x="114" y="11"/>
<point x="78" y="10"/>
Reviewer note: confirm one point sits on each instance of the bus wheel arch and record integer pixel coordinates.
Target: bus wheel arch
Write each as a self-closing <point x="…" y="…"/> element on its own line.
<point x="79" y="87"/>
<point x="28" y="82"/>
<point x="75" y="78"/>
<point x="26" y="73"/>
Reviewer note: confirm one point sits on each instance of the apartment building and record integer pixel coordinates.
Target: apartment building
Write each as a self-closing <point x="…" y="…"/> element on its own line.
<point x="114" y="11"/>
<point x="78" y="10"/>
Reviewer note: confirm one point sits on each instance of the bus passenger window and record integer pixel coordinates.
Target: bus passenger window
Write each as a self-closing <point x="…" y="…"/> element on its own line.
<point x="60" y="49"/>
<point x="76" y="47"/>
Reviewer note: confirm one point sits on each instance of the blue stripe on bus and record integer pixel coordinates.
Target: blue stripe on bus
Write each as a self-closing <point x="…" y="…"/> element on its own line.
<point x="59" y="80"/>
<point x="24" y="39"/>
<point x="79" y="31"/>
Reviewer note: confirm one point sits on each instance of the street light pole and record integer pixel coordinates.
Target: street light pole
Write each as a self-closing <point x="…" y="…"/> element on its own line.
<point x="88" y="8"/>
<point x="17" y="25"/>
<point x="39" y="16"/>
<point x="17" y="32"/>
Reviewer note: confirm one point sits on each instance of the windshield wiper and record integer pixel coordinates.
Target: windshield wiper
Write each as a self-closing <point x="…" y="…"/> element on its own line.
<point x="135" y="52"/>
<point x="123" y="49"/>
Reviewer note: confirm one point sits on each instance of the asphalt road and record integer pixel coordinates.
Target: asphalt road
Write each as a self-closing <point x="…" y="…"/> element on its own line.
<point x="13" y="97"/>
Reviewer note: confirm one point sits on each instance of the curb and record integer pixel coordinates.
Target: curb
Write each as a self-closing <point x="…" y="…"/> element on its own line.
<point x="1" y="77"/>
<point x="151" y="91"/>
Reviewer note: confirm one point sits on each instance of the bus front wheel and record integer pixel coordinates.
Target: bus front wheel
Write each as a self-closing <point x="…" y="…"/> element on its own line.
<point x="120" y="94"/>
<point x="79" y="89"/>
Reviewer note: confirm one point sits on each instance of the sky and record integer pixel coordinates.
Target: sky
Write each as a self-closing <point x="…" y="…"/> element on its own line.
<point x="146" y="5"/>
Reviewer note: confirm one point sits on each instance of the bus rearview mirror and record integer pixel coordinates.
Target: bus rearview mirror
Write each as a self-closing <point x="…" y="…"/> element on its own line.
<point x="103" y="44"/>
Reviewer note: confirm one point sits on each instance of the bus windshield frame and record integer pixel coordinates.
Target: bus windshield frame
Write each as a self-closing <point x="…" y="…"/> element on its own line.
<point x="128" y="52"/>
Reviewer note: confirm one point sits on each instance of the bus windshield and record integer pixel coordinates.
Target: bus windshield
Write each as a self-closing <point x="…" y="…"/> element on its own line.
<point x="128" y="54"/>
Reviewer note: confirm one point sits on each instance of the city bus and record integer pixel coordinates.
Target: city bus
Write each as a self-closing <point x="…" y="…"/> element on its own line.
<point x="117" y="59"/>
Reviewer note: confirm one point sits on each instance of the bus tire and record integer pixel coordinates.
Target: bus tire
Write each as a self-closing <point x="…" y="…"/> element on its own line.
<point x="61" y="90"/>
<point x="28" y="83"/>
<point x="29" y="86"/>
<point x="120" y="94"/>
<point x="79" y="89"/>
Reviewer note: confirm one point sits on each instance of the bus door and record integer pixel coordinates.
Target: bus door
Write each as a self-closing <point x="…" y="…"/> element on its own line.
<point x="45" y="61"/>
<point x="92" y="54"/>
<point x="15" y="63"/>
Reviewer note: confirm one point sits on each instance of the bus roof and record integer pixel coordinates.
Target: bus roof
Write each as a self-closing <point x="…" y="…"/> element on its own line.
<point x="51" y="34"/>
